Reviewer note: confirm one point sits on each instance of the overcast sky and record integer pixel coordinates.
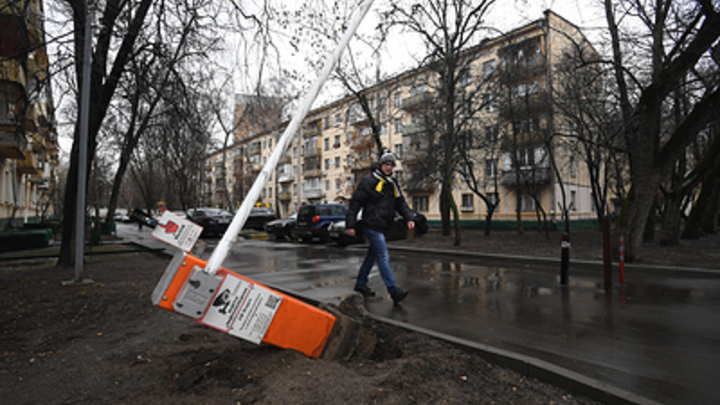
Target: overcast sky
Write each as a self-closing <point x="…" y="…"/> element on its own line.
<point x="404" y="50"/>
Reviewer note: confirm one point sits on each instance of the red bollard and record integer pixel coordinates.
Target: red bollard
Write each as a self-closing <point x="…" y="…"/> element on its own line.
<point x="622" y="260"/>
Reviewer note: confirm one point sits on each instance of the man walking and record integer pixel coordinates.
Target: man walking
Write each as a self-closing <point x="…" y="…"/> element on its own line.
<point x="379" y="196"/>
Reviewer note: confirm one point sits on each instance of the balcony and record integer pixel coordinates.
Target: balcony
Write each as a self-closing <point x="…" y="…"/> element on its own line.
<point x="533" y="104"/>
<point x="285" y="178"/>
<point x="285" y="196"/>
<point x="420" y="186"/>
<point x="311" y="131"/>
<point x="313" y="152"/>
<point x="359" y="119"/>
<point x="12" y="144"/>
<point x="414" y="129"/>
<point x="313" y="193"/>
<point x="528" y="175"/>
<point x="13" y="30"/>
<point x="28" y="165"/>
<point x="417" y="102"/>
<point x="312" y="173"/>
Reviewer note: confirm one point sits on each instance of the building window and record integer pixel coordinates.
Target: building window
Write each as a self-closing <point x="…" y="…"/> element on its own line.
<point x="326" y="144"/>
<point x="488" y="68"/>
<point x="526" y="157"/>
<point x="468" y="203"/>
<point x="337" y="141"/>
<point x="528" y="202"/>
<point x="420" y="203"/>
<point x="491" y="134"/>
<point x="419" y="89"/>
<point x="465" y="78"/>
<point x="327" y="185"/>
<point x="399" y="151"/>
<point x="397" y="124"/>
<point x="327" y="164"/>
<point x="397" y="99"/>
<point x="294" y="189"/>
<point x="573" y="166"/>
<point x="489" y="102"/>
<point x="337" y="120"/>
<point x="491" y="168"/>
<point x="337" y="162"/>
<point x="270" y="192"/>
<point x="326" y="122"/>
<point x="337" y="184"/>
<point x="493" y="198"/>
<point x="270" y="143"/>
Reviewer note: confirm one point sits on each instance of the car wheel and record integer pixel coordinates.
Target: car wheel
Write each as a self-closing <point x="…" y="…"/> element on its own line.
<point x="305" y="239"/>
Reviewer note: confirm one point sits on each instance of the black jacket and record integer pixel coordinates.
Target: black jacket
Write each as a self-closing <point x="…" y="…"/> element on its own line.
<point x="379" y="197"/>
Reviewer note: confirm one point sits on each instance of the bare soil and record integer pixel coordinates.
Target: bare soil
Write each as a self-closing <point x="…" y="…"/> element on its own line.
<point x="106" y="343"/>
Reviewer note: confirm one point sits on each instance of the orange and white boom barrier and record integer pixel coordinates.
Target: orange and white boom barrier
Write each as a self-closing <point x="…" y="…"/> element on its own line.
<point x="234" y="304"/>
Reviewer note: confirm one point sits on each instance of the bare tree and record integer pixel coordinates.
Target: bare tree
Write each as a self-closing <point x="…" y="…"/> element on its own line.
<point x="448" y="28"/>
<point x="653" y="148"/>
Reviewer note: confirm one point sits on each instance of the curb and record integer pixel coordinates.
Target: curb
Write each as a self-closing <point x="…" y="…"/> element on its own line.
<point x="528" y="366"/>
<point x="547" y="260"/>
<point x="535" y="368"/>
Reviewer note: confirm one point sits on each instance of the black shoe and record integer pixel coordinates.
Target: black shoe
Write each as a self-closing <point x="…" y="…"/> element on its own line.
<point x="399" y="295"/>
<point x="365" y="291"/>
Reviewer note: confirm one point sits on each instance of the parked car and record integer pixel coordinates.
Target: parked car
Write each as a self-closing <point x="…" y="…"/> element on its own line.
<point x="313" y="220"/>
<point x="214" y="221"/>
<point x="281" y="229"/>
<point x="259" y="217"/>
<point x="397" y="231"/>
<point x="119" y="217"/>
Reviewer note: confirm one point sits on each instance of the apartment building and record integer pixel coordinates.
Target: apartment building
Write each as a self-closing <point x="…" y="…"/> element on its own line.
<point x="28" y="138"/>
<point x="511" y="75"/>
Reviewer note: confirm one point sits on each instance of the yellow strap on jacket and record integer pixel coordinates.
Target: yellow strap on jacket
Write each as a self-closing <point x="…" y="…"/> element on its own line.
<point x="381" y="184"/>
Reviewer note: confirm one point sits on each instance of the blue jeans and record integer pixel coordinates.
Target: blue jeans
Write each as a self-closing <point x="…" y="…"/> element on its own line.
<point x="377" y="251"/>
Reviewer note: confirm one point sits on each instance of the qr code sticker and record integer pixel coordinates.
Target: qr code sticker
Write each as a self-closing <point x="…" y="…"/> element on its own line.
<point x="272" y="301"/>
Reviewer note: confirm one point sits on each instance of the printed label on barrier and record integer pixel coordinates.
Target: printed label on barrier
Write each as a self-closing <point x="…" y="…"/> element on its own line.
<point x="255" y="316"/>
<point x="177" y="231"/>
<point x="242" y="309"/>
<point x="227" y="302"/>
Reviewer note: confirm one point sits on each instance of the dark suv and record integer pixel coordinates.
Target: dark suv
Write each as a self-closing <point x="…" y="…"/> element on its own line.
<point x="313" y="220"/>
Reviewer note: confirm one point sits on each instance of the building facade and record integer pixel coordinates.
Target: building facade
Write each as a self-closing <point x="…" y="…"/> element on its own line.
<point x="28" y="138"/>
<point x="510" y="118"/>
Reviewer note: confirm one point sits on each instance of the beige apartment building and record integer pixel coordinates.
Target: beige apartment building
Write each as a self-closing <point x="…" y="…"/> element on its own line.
<point x="28" y="139"/>
<point x="334" y="147"/>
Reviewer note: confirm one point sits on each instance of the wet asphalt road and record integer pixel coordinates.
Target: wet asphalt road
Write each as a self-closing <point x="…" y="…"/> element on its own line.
<point x="657" y="337"/>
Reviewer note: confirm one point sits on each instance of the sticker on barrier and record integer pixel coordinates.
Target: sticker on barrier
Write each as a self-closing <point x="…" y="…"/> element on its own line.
<point x="177" y="231"/>
<point x="242" y="309"/>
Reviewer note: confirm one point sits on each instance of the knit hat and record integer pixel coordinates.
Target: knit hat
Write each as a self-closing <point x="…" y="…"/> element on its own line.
<point x="387" y="158"/>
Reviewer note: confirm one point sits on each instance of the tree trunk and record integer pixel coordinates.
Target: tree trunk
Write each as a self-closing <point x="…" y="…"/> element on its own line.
<point x="671" y="220"/>
<point x="703" y="204"/>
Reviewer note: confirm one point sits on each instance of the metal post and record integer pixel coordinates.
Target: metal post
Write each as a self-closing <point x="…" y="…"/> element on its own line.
<point x="565" y="258"/>
<point x="607" y="253"/>
<point x="221" y="251"/>
<point x="82" y="160"/>
<point x="622" y="260"/>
